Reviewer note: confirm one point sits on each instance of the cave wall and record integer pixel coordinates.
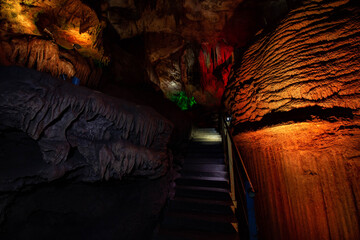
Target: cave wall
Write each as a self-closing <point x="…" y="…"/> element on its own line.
<point x="306" y="177"/>
<point x="116" y="137"/>
<point x="294" y="102"/>
<point x="66" y="150"/>
<point x="63" y="38"/>
<point x="190" y="44"/>
<point x="70" y="38"/>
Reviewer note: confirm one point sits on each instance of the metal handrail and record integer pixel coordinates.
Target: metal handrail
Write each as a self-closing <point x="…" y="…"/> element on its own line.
<point x="242" y="180"/>
<point x="251" y="188"/>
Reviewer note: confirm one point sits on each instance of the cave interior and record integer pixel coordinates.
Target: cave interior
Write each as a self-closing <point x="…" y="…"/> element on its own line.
<point x="103" y="101"/>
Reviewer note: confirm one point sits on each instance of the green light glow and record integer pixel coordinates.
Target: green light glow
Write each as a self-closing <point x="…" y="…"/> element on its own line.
<point x="183" y="101"/>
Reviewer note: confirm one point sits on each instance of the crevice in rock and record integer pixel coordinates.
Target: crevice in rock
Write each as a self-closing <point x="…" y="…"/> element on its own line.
<point x="295" y="115"/>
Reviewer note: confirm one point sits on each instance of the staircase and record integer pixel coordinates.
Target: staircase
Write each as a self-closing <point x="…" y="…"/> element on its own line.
<point x="202" y="207"/>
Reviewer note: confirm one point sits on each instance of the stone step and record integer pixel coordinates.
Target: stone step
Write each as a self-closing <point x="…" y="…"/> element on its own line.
<point x="205" y="151"/>
<point x="204" y="160"/>
<point x="190" y="173"/>
<point x="199" y="167"/>
<point x="206" y="154"/>
<point x="199" y="221"/>
<point x="175" y="234"/>
<point x="200" y="181"/>
<point x="201" y="205"/>
<point x="204" y="145"/>
<point x="202" y="192"/>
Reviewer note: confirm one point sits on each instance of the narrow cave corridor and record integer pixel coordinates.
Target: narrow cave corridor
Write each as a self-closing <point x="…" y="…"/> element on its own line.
<point x="180" y="119"/>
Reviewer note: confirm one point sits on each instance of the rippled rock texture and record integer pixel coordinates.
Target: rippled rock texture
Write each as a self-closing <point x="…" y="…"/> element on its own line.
<point x="57" y="37"/>
<point x="311" y="59"/>
<point x="294" y="101"/>
<point x="115" y="138"/>
<point x="75" y="163"/>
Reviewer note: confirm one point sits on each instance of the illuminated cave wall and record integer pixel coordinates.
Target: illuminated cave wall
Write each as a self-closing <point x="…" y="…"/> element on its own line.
<point x="189" y="44"/>
<point x="186" y="46"/>
<point x="215" y="64"/>
<point x="58" y="37"/>
<point x="295" y="105"/>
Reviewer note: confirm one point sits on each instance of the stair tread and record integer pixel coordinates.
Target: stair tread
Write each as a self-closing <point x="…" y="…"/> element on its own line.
<point x="205" y="144"/>
<point x="196" y="188"/>
<point x="205" y="157"/>
<point x="203" y="166"/>
<point x="207" y="206"/>
<point x="202" y="183"/>
<point x="204" y="201"/>
<point x="186" y="221"/>
<point x="204" y="160"/>
<point x="218" y="182"/>
<point x="208" y="217"/>
<point x="196" y="235"/>
<point x="205" y="173"/>
<point x="218" y="179"/>
<point x="205" y="153"/>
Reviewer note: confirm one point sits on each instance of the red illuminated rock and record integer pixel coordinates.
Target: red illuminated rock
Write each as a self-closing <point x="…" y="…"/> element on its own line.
<point x="180" y="28"/>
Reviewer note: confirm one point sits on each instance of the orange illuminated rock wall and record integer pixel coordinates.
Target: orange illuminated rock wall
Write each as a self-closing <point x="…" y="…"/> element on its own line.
<point x="295" y="105"/>
<point x="307" y="177"/>
<point x="58" y="37"/>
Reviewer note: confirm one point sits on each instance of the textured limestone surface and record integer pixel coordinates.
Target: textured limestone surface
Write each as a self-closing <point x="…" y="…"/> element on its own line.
<point x="310" y="59"/>
<point x="78" y="164"/>
<point x="116" y="138"/>
<point x="68" y="208"/>
<point x="294" y="101"/>
<point x="306" y="177"/>
<point x="57" y="37"/>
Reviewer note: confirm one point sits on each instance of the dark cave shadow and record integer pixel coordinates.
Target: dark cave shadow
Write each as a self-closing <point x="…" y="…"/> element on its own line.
<point x="296" y="115"/>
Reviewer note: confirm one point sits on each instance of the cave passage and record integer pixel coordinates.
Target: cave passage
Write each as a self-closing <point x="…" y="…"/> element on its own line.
<point x="111" y="119"/>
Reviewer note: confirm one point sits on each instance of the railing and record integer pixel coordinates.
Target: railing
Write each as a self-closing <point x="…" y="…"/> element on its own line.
<point x="241" y="189"/>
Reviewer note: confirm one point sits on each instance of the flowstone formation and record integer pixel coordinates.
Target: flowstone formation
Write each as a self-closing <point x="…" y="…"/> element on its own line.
<point x="294" y="101"/>
<point x="116" y="138"/>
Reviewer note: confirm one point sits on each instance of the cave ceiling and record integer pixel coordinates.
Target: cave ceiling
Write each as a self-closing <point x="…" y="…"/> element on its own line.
<point x="187" y="46"/>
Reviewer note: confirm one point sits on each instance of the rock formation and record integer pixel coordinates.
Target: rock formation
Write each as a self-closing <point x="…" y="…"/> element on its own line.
<point x="294" y="101"/>
<point x="72" y="31"/>
<point x="58" y="37"/>
<point x="181" y="30"/>
<point x="115" y="137"/>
